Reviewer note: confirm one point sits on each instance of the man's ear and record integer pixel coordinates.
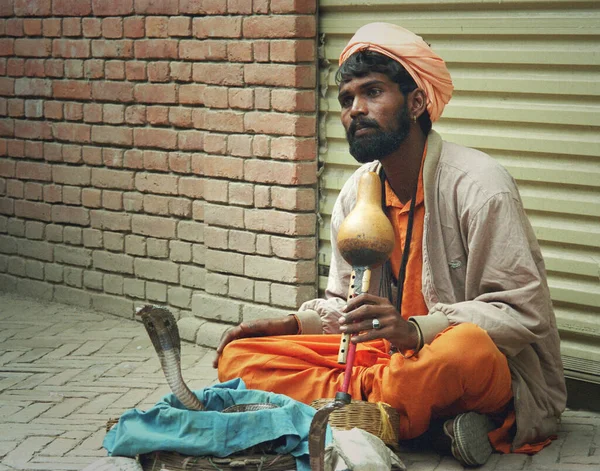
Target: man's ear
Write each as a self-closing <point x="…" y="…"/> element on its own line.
<point x="417" y="102"/>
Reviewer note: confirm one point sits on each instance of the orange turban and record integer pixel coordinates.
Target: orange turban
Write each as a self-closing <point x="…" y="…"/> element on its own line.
<point x="426" y="68"/>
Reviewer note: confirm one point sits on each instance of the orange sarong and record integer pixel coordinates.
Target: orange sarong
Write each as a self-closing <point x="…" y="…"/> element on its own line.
<point x="461" y="370"/>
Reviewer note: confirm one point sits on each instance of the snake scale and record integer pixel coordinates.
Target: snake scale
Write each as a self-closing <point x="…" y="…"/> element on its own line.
<point x="161" y="326"/>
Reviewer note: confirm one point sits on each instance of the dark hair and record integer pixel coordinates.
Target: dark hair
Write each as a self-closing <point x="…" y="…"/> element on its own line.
<point x="364" y="62"/>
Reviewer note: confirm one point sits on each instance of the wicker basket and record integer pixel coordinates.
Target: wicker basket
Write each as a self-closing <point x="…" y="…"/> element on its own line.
<point x="171" y="461"/>
<point x="379" y="418"/>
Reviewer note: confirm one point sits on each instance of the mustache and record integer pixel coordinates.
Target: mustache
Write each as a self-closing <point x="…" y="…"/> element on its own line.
<point x="360" y="123"/>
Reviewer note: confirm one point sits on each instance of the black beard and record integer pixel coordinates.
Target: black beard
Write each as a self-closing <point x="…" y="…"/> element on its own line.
<point x="379" y="144"/>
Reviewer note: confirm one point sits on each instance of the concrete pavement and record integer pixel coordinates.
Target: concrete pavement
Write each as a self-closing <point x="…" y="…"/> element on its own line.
<point x="64" y="371"/>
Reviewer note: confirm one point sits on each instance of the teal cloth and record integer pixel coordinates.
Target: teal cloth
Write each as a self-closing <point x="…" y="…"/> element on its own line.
<point x="169" y="426"/>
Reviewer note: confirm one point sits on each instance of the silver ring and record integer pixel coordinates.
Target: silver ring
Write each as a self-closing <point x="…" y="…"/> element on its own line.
<point x="376" y="324"/>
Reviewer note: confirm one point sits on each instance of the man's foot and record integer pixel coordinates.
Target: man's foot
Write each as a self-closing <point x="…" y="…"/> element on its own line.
<point x="469" y="440"/>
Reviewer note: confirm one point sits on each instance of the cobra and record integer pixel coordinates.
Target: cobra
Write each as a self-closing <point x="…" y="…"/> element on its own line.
<point x="161" y="326"/>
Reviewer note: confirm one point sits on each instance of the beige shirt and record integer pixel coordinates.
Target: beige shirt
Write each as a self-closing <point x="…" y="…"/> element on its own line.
<point x="481" y="264"/>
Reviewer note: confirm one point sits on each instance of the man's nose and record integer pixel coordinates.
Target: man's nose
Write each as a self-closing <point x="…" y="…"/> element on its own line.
<point x="359" y="107"/>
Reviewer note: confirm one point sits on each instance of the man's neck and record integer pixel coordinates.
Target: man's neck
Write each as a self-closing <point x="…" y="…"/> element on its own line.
<point x="402" y="167"/>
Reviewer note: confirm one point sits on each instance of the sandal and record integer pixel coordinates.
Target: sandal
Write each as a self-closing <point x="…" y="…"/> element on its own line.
<point x="469" y="440"/>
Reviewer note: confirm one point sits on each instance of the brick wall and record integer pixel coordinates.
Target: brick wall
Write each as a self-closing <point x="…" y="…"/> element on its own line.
<point x="159" y="152"/>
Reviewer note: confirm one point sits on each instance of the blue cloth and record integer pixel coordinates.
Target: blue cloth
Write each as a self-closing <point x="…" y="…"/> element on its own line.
<point x="169" y="426"/>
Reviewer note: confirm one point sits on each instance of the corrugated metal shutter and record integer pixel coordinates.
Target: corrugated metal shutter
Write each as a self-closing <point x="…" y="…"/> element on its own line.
<point x="527" y="78"/>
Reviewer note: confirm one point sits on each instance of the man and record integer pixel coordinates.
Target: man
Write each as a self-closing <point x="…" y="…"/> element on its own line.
<point x="458" y="325"/>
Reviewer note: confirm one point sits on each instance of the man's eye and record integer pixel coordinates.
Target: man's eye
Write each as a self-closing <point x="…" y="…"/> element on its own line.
<point x="346" y="102"/>
<point x="373" y="92"/>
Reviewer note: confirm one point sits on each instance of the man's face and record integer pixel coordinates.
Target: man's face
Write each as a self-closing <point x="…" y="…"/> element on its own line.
<point x="375" y="116"/>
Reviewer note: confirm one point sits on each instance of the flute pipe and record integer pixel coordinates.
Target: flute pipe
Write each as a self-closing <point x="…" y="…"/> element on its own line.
<point x="360" y="280"/>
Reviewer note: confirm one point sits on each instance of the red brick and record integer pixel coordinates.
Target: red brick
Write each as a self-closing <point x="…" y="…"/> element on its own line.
<point x="92" y="27"/>
<point x="16" y="108"/>
<point x="152" y="7"/>
<point x="281" y="173"/>
<point x="239" y="145"/>
<point x="198" y="118"/>
<point x="191" y="140"/>
<point x="72" y="132"/>
<point x="261" y="51"/>
<point x="179" y="26"/>
<point x="281" y="75"/>
<point x="93" y="69"/>
<point x="33" y="191"/>
<point x="34" y="108"/>
<point x="114" y="70"/>
<point x="54" y="68"/>
<point x="156" y="26"/>
<point x="203" y="7"/>
<point x="15" y="189"/>
<point x="72" y="195"/>
<point x="33" y="129"/>
<point x="32" y="7"/>
<point x="33" y="210"/>
<point x="71" y="8"/>
<point x="216" y="97"/>
<point x="52" y="193"/>
<point x="135" y="114"/>
<point x="71" y="175"/>
<point x="112" y="91"/>
<point x="110" y="220"/>
<point x="71" y="215"/>
<point x="34" y="149"/>
<point x="7" y="47"/>
<point x="91" y="155"/>
<point x="37" y="47"/>
<point x="180" y="117"/>
<point x="113" y="179"/>
<point x="73" y="111"/>
<point x="192" y="94"/>
<point x="112" y="28"/>
<point x="14" y="27"/>
<point x="133" y="158"/>
<point x="135" y="70"/>
<point x="112" y="157"/>
<point x="51" y="27"/>
<point x="180" y="162"/>
<point x="191" y="187"/>
<point x="156" y="204"/>
<point x="92" y="113"/>
<point x="74" y="68"/>
<point x="158" y="115"/>
<point x="219" y="74"/>
<point x="134" y="27"/>
<point x="240" y="52"/>
<point x="181" y="71"/>
<point x="293" y="100"/>
<point x="158" y="183"/>
<point x="302" y="50"/>
<point x="7" y="127"/>
<point x="225" y="167"/>
<point x="72" y="89"/>
<point x="91" y="198"/>
<point x="239" y="7"/>
<point x="155" y="160"/>
<point x="153" y="137"/>
<point x="118" y="135"/>
<point x="290" y="148"/>
<point x="218" y="27"/>
<point x="28" y="86"/>
<point x="192" y="49"/>
<point x="71" y="48"/>
<point x="34" y="68"/>
<point x="242" y="98"/>
<point x="215" y="143"/>
<point x="279" y="123"/>
<point x="16" y="148"/>
<point x="156" y="93"/>
<point x="71" y="154"/>
<point x="224" y="121"/>
<point x="7" y="168"/>
<point x="261" y="146"/>
<point x="117" y="48"/>
<point x="112" y="7"/>
<point x="7" y="205"/>
<point x="15" y="67"/>
<point x="289" y="26"/>
<point x="113" y="114"/>
<point x="261" y="6"/>
<point x="52" y="151"/>
<point x="71" y="27"/>
<point x="158" y="71"/>
<point x="8" y="86"/>
<point x="156" y="49"/>
<point x="293" y="6"/>
<point x="32" y="26"/>
<point x="112" y="200"/>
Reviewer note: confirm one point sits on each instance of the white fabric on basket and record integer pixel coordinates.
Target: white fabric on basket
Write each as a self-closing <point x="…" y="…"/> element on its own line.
<point x="359" y="450"/>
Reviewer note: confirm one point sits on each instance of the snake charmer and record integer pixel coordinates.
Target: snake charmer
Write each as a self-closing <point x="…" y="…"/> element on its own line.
<point x="457" y="330"/>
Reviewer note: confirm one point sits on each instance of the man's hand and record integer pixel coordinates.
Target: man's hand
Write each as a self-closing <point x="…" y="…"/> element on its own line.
<point x="260" y="328"/>
<point x="359" y="314"/>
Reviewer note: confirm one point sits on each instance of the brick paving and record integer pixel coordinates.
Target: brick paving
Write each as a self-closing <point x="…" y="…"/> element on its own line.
<point x="64" y="371"/>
